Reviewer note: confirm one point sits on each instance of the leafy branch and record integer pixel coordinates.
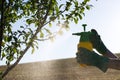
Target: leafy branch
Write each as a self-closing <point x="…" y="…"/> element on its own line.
<point x="39" y="13"/>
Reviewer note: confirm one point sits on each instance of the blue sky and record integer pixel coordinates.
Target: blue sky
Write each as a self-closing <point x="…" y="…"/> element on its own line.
<point x="104" y="17"/>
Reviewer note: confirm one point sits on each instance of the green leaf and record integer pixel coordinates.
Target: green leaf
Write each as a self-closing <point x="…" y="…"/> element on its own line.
<point x="41" y="34"/>
<point x="57" y="10"/>
<point x="88" y="7"/>
<point x="29" y="21"/>
<point x="50" y="24"/>
<point x="24" y="32"/>
<point x="76" y="20"/>
<point x="15" y="38"/>
<point x="21" y="26"/>
<point x="61" y="6"/>
<point x="80" y="16"/>
<point x="14" y="50"/>
<point x="47" y="30"/>
<point x="9" y="29"/>
<point x="9" y="38"/>
<point x="82" y="10"/>
<point x="33" y="50"/>
<point x="76" y="3"/>
<point x="60" y="32"/>
<point x="86" y="1"/>
<point x="3" y="55"/>
<point x="68" y="4"/>
<point x="52" y="39"/>
<point x="52" y="18"/>
<point x="3" y="44"/>
<point x="10" y="58"/>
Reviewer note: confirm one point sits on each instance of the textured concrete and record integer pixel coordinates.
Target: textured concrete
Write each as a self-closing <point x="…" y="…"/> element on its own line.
<point x="64" y="69"/>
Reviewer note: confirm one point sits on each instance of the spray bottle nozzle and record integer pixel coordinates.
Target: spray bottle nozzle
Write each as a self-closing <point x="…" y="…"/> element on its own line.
<point x="84" y="27"/>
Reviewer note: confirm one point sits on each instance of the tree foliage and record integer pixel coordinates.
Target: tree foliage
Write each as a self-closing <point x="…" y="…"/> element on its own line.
<point x="35" y="12"/>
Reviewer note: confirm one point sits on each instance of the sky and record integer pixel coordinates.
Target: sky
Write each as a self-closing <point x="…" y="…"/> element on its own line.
<point x="104" y="17"/>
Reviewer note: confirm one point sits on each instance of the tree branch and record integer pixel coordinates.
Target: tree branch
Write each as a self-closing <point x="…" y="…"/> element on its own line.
<point x="1" y="24"/>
